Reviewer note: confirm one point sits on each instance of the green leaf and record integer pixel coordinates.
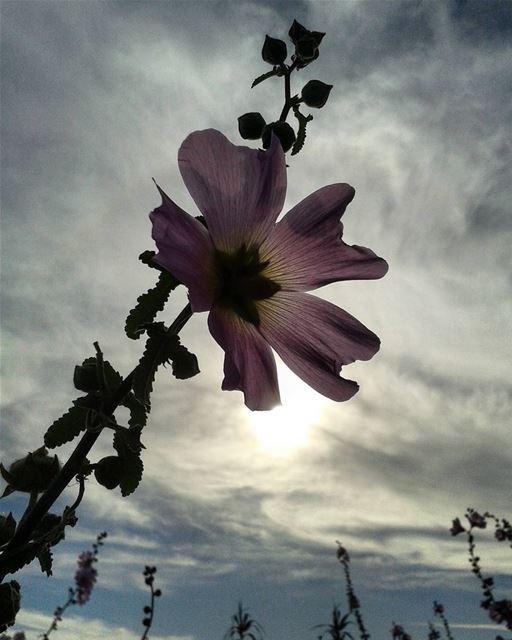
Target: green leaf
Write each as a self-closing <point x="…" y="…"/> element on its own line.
<point x="146" y="257"/>
<point x="264" y="76"/>
<point x="14" y="560"/>
<point x="149" y="304"/>
<point x="161" y="347"/>
<point x="301" y="133"/>
<point x="45" y="560"/>
<point x="67" y="427"/>
<point x="128" y="446"/>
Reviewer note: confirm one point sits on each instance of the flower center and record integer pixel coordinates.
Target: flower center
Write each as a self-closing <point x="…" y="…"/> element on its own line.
<point x="240" y="282"/>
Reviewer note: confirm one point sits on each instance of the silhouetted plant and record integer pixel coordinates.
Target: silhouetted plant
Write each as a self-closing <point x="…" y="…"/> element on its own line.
<point x="353" y="602"/>
<point x="243" y="626"/>
<point x="149" y="610"/>
<point x="337" y="629"/>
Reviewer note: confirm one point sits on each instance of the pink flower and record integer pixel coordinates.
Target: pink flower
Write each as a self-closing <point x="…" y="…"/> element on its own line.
<point x="476" y="520"/>
<point x="252" y="273"/>
<point x="456" y="527"/>
<point x="85" y="577"/>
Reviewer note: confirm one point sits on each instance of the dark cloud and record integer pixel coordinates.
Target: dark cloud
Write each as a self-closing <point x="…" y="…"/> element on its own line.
<point x="482" y="23"/>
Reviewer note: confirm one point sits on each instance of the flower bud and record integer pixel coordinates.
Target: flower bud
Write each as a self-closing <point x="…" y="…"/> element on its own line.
<point x="251" y="125"/>
<point x="315" y="93"/>
<point x="108" y="471"/>
<point x="9" y="603"/>
<point x="306" y="44"/>
<point x="283" y="131"/>
<point x="7" y="528"/>
<point x="33" y="473"/>
<point x="274" y="51"/>
<point x="85" y="377"/>
<point x="297" y="31"/>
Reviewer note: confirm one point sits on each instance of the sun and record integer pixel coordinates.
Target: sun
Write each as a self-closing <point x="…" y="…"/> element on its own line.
<point x="287" y="427"/>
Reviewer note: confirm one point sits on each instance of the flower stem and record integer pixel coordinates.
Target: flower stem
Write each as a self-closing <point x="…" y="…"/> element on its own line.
<point x="287" y="93"/>
<point x="74" y="464"/>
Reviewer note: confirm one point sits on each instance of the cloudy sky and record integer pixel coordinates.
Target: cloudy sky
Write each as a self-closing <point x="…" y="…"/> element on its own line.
<point x="96" y="99"/>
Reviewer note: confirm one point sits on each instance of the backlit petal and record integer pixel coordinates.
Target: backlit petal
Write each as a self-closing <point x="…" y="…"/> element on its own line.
<point x="249" y="363"/>
<point x="305" y="249"/>
<point x="185" y="250"/>
<point x="315" y="338"/>
<point x="240" y="191"/>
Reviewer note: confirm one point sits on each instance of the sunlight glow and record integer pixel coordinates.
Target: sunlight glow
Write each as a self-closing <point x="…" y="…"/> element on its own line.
<point x="286" y="428"/>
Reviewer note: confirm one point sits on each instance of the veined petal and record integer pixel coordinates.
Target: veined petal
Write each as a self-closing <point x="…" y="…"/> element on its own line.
<point x="185" y="250"/>
<point x="315" y="338"/>
<point x="305" y="250"/>
<point x="240" y="191"/>
<point x="249" y="363"/>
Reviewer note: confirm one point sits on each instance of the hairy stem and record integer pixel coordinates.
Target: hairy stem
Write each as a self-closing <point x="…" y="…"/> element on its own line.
<point x="74" y="464"/>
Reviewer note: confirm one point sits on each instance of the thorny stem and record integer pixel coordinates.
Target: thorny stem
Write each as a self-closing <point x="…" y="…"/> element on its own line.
<point x="75" y="461"/>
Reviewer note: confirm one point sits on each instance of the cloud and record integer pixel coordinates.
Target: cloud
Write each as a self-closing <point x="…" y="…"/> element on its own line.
<point x="96" y="100"/>
<point x="77" y="627"/>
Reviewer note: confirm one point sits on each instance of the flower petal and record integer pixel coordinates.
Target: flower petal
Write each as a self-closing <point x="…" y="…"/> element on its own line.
<point x="240" y="191"/>
<point x="305" y="249"/>
<point x="185" y="249"/>
<point x="249" y="364"/>
<point x="315" y="338"/>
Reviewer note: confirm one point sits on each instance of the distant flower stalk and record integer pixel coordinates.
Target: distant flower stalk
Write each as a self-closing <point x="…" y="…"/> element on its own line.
<point x="85" y="577"/>
<point x="252" y="274"/>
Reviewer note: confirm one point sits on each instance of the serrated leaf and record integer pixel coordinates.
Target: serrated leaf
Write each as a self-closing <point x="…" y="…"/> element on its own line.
<point x="301" y="133"/>
<point x="13" y="561"/>
<point x="45" y="560"/>
<point x="124" y="443"/>
<point x="149" y="304"/>
<point x="159" y="347"/>
<point x="112" y="377"/>
<point x="146" y="257"/>
<point x="67" y="427"/>
<point x="138" y="415"/>
<point x="264" y="76"/>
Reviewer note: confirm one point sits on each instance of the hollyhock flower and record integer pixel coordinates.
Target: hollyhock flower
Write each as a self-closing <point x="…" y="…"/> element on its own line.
<point x="85" y="577"/>
<point x="252" y="274"/>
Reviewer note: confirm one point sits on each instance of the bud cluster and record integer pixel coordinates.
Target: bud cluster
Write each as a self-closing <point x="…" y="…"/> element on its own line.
<point x="314" y="94"/>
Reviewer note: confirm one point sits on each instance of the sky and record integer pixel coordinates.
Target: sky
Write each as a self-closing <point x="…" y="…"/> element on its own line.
<point x="96" y="98"/>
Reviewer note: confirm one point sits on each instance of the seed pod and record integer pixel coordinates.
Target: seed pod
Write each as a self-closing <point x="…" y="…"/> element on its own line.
<point x="251" y="125"/>
<point x="315" y="93"/>
<point x="283" y="131"/>
<point x="274" y="51"/>
<point x="108" y="471"/>
<point x="85" y="377"/>
<point x="33" y="473"/>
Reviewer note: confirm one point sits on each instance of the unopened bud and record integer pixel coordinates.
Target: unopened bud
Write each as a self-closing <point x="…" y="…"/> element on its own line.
<point x="315" y="93"/>
<point x="274" y="51"/>
<point x="33" y="473"/>
<point x="284" y="133"/>
<point x="9" y="603"/>
<point x="251" y="125"/>
<point x="85" y="377"/>
<point x="108" y="471"/>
